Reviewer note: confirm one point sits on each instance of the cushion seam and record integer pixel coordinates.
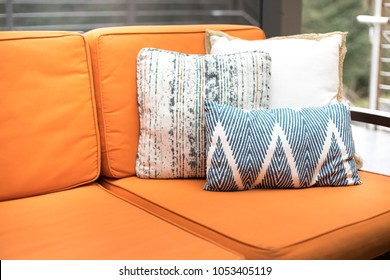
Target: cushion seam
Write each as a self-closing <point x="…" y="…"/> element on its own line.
<point x="273" y="251"/>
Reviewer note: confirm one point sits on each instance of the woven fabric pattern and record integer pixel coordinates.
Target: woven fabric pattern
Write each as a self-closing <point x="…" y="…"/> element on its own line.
<point x="172" y="88"/>
<point x="279" y="148"/>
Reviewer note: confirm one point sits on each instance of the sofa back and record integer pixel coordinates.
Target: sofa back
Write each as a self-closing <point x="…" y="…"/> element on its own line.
<point x="48" y="127"/>
<point x="113" y="52"/>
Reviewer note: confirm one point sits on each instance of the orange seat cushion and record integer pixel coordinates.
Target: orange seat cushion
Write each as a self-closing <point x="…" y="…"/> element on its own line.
<point x="48" y="134"/>
<point x="313" y="223"/>
<point x="114" y="52"/>
<point x="90" y="223"/>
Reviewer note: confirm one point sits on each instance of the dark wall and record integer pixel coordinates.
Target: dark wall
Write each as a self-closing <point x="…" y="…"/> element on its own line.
<point x="282" y="17"/>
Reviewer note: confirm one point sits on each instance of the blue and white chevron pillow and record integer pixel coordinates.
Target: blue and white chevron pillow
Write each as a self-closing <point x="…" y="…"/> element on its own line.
<point x="278" y="148"/>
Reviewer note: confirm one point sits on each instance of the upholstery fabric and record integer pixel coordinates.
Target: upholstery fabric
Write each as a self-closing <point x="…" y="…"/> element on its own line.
<point x="172" y="87"/>
<point x="49" y="133"/>
<point x="308" y="223"/>
<point x="279" y="148"/>
<point x="89" y="223"/>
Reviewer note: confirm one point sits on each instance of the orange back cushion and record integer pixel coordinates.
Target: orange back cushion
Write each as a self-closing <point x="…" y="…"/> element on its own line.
<point x="114" y="51"/>
<point x="48" y="128"/>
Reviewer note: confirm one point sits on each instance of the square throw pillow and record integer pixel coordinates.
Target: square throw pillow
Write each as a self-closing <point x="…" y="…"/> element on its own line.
<point x="172" y="88"/>
<point x="279" y="148"/>
<point x="306" y="69"/>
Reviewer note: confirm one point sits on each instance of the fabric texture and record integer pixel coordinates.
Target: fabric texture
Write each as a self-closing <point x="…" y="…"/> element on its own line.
<point x="113" y="52"/>
<point x="273" y="223"/>
<point x="279" y="148"/>
<point x="302" y="65"/>
<point x="49" y="134"/>
<point x="172" y="88"/>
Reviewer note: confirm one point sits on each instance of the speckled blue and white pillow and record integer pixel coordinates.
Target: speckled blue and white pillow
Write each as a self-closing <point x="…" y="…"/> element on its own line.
<point x="279" y="148"/>
<point x="172" y="88"/>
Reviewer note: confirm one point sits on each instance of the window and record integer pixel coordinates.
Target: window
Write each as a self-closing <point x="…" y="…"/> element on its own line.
<point x="83" y="15"/>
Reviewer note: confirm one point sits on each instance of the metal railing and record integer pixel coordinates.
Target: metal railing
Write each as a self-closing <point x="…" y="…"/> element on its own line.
<point x="83" y="15"/>
<point x="384" y="73"/>
<point x="379" y="92"/>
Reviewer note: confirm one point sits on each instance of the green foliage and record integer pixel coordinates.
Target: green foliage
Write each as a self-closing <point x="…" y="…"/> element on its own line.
<point x="340" y="15"/>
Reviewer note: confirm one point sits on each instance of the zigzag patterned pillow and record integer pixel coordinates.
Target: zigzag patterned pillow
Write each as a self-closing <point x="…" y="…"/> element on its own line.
<point x="172" y="88"/>
<point x="278" y="148"/>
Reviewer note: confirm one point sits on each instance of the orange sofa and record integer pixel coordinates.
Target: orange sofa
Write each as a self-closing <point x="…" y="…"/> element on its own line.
<point x="68" y="190"/>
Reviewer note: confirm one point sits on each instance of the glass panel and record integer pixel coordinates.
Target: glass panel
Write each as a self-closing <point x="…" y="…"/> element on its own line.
<point x="371" y="142"/>
<point x="84" y="15"/>
<point x="329" y="15"/>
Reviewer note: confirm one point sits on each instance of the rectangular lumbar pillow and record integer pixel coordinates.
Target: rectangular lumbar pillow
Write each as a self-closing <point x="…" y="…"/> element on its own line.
<point x="172" y="88"/>
<point x="307" y="69"/>
<point x="279" y="148"/>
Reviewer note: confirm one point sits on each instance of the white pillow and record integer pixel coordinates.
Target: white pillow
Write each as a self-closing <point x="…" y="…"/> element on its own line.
<point x="306" y="69"/>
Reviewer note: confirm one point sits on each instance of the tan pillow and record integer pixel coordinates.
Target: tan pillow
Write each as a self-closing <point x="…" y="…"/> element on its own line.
<point x="302" y="65"/>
